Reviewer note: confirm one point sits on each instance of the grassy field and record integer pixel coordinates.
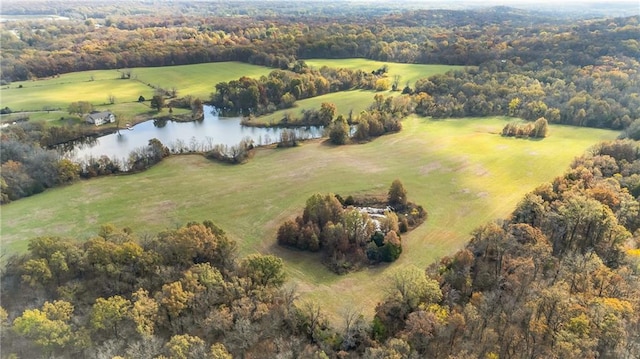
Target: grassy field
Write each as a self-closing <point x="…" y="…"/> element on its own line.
<point x="52" y="117"/>
<point x="96" y="86"/>
<point x="197" y="80"/>
<point x="461" y="171"/>
<point x="58" y="92"/>
<point x="408" y="73"/>
<point x="357" y="100"/>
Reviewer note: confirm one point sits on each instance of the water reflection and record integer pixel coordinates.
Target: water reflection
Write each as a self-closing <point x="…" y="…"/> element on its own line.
<point x="183" y="136"/>
<point x="70" y="146"/>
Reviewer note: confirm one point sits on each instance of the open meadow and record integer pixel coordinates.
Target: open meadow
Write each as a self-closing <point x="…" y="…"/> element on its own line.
<point x="461" y="170"/>
<point x="345" y="101"/>
<point x="409" y="73"/>
<point x="96" y="86"/>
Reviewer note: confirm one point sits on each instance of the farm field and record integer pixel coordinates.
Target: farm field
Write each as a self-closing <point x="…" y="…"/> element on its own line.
<point x="197" y="80"/>
<point x="460" y="170"/>
<point x="409" y="73"/>
<point x="58" y="92"/>
<point x="345" y="101"/>
<point x="96" y="86"/>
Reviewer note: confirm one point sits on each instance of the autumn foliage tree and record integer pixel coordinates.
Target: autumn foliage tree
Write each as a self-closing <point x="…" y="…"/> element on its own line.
<point x="157" y="102"/>
<point x="180" y="293"/>
<point x="348" y="236"/>
<point x="523" y="277"/>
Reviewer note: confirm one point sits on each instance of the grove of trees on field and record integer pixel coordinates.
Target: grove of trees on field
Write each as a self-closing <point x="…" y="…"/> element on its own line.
<point x="349" y="233"/>
<point x="281" y="88"/>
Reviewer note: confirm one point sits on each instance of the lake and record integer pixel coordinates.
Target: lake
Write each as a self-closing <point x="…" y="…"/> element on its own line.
<point x="185" y="136"/>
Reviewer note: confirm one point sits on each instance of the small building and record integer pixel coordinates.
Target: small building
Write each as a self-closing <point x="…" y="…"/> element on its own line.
<point x="100" y="118"/>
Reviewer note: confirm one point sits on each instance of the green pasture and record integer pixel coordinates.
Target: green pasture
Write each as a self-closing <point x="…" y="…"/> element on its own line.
<point x="52" y="117"/>
<point x="408" y="73"/>
<point x="198" y="80"/>
<point x="57" y="93"/>
<point x="346" y="101"/>
<point x="96" y="86"/>
<point x="461" y="170"/>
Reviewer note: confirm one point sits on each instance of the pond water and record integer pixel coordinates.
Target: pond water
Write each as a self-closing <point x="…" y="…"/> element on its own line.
<point x="184" y="136"/>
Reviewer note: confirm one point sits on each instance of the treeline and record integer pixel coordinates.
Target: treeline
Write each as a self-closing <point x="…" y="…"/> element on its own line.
<point x="452" y="37"/>
<point x="603" y="95"/>
<point x="350" y="234"/>
<point x="281" y="89"/>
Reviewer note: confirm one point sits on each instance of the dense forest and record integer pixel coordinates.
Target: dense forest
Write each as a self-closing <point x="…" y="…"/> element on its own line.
<point x="558" y="279"/>
<point x="469" y="37"/>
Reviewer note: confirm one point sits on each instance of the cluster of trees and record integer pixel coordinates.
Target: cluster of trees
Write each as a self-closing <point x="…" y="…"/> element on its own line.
<point x="311" y="117"/>
<point x="538" y="129"/>
<point x="383" y="116"/>
<point x="232" y="154"/>
<point x="80" y="108"/>
<point x="282" y="88"/>
<point x="351" y="236"/>
<point x="147" y="156"/>
<point x="26" y="167"/>
<point x="181" y="294"/>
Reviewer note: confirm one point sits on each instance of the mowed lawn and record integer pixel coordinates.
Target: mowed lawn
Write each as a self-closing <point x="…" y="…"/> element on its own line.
<point x="460" y="170"/>
<point x="409" y="73"/>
